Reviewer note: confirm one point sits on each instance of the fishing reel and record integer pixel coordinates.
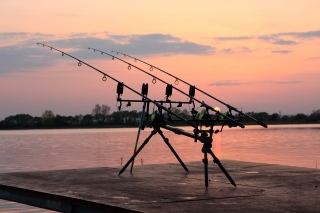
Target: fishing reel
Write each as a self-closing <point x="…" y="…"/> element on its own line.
<point x="229" y="122"/>
<point x="205" y="119"/>
<point x="156" y="118"/>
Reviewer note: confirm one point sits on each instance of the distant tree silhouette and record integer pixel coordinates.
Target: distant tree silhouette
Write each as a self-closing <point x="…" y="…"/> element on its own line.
<point x="105" y="110"/>
<point x="18" y="121"/>
<point x="100" y="113"/>
<point x="285" y="118"/>
<point x="48" y="118"/>
<point x="301" y="117"/>
<point x="275" y="117"/>
<point x="87" y="119"/>
<point x="315" y="116"/>
<point x="96" y="110"/>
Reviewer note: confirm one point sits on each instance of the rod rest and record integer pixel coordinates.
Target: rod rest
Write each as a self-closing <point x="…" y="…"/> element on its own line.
<point x="188" y="134"/>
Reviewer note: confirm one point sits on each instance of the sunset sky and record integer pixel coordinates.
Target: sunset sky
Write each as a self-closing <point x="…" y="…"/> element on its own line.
<point x="261" y="56"/>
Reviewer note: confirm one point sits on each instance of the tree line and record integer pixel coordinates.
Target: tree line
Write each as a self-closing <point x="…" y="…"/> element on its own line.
<point x="314" y="117"/>
<point x="101" y="117"/>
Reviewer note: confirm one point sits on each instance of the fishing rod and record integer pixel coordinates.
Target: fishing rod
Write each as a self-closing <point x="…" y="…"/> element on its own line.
<point x="179" y="79"/>
<point x="104" y="78"/>
<point x="169" y="87"/>
<point x="158" y="119"/>
<point x="158" y="122"/>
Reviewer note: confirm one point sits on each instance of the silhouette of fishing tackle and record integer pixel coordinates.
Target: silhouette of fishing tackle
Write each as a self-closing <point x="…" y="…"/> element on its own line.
<point x="230" y="108"/>
<point x="156" y="125"/>
<point x="145" y="99"/>
<point x="191" y="90"/>
<point x="157" y="121"/>
<point x="205" y="118"/>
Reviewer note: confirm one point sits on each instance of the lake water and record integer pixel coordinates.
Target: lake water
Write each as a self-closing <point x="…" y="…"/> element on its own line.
<point x="34" y="150"/>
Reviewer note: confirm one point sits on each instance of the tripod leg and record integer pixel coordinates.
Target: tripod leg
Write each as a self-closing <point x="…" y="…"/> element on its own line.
<point x="166" y="140"/>
<point x="140" y="123"/>
<point x="205" y="162"/>
<point x="137" y="152"/>
<point x="217" y="161"/>
<point x="206" y="146"/>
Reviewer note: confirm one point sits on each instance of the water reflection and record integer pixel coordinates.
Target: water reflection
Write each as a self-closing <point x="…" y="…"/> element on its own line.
<point x="296" y="145"/>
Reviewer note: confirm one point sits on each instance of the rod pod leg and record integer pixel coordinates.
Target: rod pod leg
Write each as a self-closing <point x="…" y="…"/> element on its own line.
<point x="217" y="161"/>
<point x="206" y="146"/>
<point x="138" y="134"/>
<point x="137" y="152"/>
<point x="166" y="140"/>
<point x="205" y="163"/>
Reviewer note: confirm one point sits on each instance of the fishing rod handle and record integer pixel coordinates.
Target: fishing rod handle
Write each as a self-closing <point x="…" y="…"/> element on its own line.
<point x="262" y="124"/>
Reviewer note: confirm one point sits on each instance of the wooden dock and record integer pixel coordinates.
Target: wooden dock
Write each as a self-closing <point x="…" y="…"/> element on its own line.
<point x="168" y="188"/>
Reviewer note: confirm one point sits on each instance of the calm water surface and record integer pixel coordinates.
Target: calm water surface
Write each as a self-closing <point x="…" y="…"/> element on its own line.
<point x="34" y="150"/>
